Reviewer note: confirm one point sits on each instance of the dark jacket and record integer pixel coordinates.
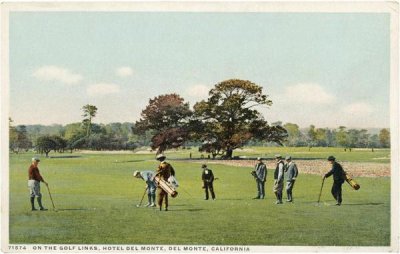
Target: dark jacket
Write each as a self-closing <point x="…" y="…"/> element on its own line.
<point x="207" y="177"/>
<point x="337" y="172"/>
<point x="280" y="167"/>
<point x="33" y="173"/>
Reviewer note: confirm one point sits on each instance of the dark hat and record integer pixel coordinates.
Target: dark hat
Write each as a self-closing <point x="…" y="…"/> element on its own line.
<point x="331" y="158"/>
<point x="204" y="166"/>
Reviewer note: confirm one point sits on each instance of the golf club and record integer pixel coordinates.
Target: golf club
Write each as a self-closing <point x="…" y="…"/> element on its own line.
<point x="48" y="189"/>
<point x="320" y="192"/>
<point x="144" y="193"/>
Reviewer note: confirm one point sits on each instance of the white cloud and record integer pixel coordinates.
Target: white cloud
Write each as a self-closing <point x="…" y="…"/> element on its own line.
<point x="198" y="91"/>
<point x="124" y="71"/>
<point x="358" y="108"/>
<point x="102" y="89"/>
<point x="309" y="93"/>
<point x="55" y="73"/>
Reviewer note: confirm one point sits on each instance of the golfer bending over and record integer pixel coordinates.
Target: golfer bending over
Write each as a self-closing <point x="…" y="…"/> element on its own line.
<point x="148" y="177"/>
<point x="34" y="184"/>
<point x="338" y="179"/>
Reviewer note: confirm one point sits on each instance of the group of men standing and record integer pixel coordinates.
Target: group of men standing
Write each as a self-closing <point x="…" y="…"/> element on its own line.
<point x="290" y="169"/>
<point x="165" y="171"/>
<point x="260" y="174"/>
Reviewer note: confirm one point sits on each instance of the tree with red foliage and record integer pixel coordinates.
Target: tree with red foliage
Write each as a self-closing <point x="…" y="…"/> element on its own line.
<point x="167" y="116"/>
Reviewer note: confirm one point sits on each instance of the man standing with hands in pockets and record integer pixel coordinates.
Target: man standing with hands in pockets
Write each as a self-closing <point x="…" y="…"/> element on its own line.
<point x="291" y="174"/>
<point x="261" y="176"/>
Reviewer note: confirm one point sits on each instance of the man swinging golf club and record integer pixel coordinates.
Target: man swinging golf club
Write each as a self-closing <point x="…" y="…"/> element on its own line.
<point x="34" y="179"/>
<point x="338" y="180"/>
<point x="148" y="177"/>
<point x="164" y="171"/>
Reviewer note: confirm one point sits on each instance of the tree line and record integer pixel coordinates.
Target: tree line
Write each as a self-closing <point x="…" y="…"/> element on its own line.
<point x="226" y="121"/>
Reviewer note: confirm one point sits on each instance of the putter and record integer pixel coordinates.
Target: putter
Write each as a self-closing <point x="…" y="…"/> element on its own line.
<point x="320" y="192"/>
<point x="48" y="189"/>
<point x="144" y="193"/>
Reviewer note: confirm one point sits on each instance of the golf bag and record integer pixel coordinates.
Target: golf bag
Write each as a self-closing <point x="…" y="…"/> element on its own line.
<point x="174" y="183"/>
<point x="351" y="181"/>
<point x="166" y="186"/>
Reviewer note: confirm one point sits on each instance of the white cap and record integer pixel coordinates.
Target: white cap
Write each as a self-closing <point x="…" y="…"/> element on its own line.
<point x="136" y="173"/>
<point x="35" y="159"/>
<point x="159" y="156"/>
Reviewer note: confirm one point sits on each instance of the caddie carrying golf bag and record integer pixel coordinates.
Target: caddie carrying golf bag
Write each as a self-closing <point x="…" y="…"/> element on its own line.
<point x="351" y="181"/>
<point x="166" y="186"/>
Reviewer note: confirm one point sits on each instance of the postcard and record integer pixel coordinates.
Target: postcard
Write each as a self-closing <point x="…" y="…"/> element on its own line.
<point x="197" y="127"/>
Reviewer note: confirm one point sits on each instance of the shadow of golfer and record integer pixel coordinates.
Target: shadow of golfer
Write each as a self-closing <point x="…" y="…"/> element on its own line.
<point x="364" y="204"/>
<point x="76" y="209"/>
<point x="187" y="210"/>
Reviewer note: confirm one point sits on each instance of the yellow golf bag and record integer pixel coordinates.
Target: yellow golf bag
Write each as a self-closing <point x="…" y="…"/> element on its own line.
<point x="351" y="181"/>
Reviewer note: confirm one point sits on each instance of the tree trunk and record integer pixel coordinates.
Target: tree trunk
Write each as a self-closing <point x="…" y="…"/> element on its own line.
<point x="229" y="153"/>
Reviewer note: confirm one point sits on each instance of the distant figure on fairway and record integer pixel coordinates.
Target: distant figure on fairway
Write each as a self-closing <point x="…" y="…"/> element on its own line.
<point x="34" y="184"/>
<point x="165" y="170"/>
<point x="260" y="174"/>
<point x="291" y="175"/>
<point x="338" y="179"/>
<point x="208" y="179"/>
<point x="278" y="178"/>
<point x="148" y="177"/>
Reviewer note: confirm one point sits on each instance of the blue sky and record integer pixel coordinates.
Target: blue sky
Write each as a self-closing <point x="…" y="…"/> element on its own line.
<point x="326" y="69"/>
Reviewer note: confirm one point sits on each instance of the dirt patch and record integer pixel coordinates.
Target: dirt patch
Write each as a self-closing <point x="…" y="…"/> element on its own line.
<point x="320" y="167"/>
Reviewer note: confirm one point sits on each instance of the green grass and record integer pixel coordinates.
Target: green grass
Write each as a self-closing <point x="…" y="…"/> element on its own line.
<point x="96" y="196"/>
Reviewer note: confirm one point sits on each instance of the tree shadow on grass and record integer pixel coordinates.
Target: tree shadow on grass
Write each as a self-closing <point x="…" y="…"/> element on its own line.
<point x="65" y="157"/>
<point x="131" y="161"/>
<point x="243" y="159"/>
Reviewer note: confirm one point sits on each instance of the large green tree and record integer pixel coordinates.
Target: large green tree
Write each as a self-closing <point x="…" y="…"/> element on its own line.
<point x="45" y="144"/>
<point x="167" y="117"/>
<point x="229" y="118"/>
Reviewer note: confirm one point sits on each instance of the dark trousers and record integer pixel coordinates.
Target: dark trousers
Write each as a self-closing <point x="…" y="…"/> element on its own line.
<point x="209" y="186"/>
<point x="337" y="191"/>
<point x="260" y="188"/>
<point x="161" y="195"/>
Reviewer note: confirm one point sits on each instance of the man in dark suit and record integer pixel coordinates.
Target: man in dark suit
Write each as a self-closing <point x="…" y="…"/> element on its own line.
<point x="208" y="179"/>
<point x="338" y="179"/>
